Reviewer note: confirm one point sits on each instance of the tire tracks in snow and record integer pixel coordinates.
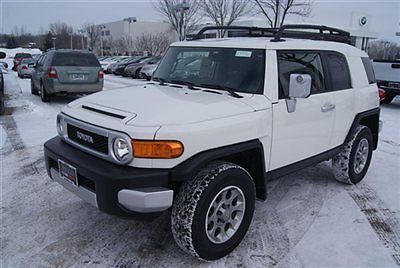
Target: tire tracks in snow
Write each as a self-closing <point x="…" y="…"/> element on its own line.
<point x="382" y="220"/>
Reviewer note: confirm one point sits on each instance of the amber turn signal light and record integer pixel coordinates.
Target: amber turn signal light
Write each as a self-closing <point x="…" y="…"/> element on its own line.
<point x="157" y="149"/>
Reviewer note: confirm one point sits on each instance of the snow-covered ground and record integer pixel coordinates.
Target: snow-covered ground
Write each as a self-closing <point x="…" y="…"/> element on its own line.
<point x="308" y="220"/>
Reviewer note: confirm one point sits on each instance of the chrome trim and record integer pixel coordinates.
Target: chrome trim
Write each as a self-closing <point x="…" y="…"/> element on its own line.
<point x="80" y="191"/>
<point x="154" y="199"/>
<point x="111" y="136"/>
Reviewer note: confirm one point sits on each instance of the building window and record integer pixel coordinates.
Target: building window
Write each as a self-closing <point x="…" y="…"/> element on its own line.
<point x="108" y="32"/>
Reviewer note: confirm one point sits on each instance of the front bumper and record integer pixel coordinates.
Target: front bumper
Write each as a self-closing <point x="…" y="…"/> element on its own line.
<point x="123" y="191"/>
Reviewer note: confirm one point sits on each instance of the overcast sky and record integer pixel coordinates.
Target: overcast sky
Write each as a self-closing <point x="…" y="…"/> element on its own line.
<point x="384" y="16"/>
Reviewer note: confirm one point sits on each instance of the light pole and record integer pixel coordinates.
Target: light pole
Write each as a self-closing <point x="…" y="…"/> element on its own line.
<point x="130" y="20"/>
<point x="82" y="33"/>
<point x="71" y="40"/>
<point x="54" y="42"/>
<point x="101" y="27"/>
<point x="183" y="8"/>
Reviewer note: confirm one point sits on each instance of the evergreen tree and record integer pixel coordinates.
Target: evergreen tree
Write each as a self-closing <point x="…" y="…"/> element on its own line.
<point x="48" y="41"/>
<point x="12" y="42"/>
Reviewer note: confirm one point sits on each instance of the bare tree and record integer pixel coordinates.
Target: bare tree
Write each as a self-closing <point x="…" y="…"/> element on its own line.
<point x="153" y="44"/>
<point x="93" y="34"/>
<point x="224" y="12"/>
<point x="182" y="15"/>
<point x="63" y="34"/>
<point x="276" y="11"/>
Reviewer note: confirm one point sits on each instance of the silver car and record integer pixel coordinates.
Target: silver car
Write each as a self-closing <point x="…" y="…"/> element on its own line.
<point x="148" y="71"/>
<point x="25" y="68"/>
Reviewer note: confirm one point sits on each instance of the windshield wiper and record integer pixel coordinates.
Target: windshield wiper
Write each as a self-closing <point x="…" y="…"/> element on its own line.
<point x="186" y="83"/>
<point x="230" y="90"/>
<point x="159" y="79"/>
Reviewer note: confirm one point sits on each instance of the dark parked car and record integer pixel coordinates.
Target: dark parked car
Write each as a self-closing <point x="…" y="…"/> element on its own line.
<point x="2" y="108"/>
<point x="66" y="71"/>
<point x="18" y="58"/>
<point x="120" y="67"/>
<point x="134" y="69"/>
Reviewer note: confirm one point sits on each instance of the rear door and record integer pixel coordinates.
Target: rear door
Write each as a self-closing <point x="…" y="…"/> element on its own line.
<point x="76" y="67"/>
<point x="306" y="132"/>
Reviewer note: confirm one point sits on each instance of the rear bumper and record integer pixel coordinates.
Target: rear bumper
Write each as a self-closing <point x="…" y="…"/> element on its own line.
<point x="57" y="87"/>
<point x="118" y="190"/>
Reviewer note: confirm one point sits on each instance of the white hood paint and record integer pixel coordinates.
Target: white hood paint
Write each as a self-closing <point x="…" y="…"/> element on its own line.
<point x="154" y="105"/>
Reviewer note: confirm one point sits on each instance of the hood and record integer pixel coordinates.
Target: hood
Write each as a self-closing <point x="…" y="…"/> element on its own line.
<point x="156" y="105"/>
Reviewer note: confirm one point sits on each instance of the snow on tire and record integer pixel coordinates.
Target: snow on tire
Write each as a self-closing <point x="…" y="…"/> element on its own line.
<point x="191" y="209"/>
<point x="344" y="164"/>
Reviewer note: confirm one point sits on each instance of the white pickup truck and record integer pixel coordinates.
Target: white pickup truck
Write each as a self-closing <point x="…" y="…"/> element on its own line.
<point x="388" y="78"/>
<point x="220" y="118"/>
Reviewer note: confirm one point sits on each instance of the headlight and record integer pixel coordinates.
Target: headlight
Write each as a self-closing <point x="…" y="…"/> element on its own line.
<point x="121" y="149"/>
<point x="60" y="125"/>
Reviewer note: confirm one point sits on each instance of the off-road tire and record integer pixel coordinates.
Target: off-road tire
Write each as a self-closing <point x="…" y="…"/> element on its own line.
<point x="343" y="163"/>
<point x="192" y="204"/>
<point x="43" y="94"/>
<point x="34" y="91"/>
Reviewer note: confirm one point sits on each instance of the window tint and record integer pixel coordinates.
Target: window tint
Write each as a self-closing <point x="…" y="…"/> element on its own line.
<point x="339" y="71"/>
<point x="75" y="59"/>
<point x="369" y="70"/>
<point x="300" y="63"/>
<point x="240" y="69"/>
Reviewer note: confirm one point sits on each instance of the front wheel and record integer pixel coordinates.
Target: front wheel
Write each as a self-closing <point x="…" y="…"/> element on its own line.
<point x="351" y="164"/>
<point x="213" y="211"/>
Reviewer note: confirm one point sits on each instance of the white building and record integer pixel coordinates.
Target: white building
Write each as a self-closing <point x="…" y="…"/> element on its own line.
<point x="123" y="33"/>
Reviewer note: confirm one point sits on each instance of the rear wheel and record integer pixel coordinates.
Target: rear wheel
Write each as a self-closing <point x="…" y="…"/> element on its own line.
<point x="34" y="91"/>
<point x="351" y="164"/>
<point x="43" y="94"/>
<point x="213" y="211"/>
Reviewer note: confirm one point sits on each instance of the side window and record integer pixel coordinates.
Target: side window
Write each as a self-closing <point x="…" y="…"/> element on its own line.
<point x="369" y="70"/>
<point x="300" y="63"/>
<point x="339" y="71"/>
<point x="39" y="61"/>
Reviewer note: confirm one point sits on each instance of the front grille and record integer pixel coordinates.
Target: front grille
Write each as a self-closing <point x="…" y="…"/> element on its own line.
<point x="88" y="139"/>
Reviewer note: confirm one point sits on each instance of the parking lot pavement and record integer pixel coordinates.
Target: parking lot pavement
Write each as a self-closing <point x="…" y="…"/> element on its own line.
<point x="308" y="220"/>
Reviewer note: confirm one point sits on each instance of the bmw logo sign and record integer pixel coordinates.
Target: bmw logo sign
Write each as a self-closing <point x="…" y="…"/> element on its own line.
<point x="363" y="21"/>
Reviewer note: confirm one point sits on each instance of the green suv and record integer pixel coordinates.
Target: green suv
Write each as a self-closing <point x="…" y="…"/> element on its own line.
<point x="66" y="71"/>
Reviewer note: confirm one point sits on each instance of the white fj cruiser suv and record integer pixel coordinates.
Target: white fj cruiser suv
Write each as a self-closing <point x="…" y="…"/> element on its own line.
<point x="220" y="118"/>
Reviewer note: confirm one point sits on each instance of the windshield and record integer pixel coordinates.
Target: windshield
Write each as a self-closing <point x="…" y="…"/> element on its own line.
<point x="239" y="69"/>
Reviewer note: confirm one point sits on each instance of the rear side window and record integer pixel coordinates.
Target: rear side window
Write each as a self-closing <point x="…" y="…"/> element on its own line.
<point x="369" y="70"/>
<point x="300" y="63"/>
<point x="75" y="59"/>
<point x="339" y="71"/>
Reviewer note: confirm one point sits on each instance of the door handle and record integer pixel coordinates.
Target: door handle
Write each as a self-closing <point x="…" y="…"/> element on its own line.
<point x="328" y="107"/>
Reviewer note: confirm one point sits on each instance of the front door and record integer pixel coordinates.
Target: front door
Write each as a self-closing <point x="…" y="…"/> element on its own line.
<point x="306" y="132"/>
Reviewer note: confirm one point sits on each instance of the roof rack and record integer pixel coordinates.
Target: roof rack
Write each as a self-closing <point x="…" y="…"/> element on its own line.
<point x="248" y="31"/>
<point x="324" y="33"/>
<point x="296" y="31"/>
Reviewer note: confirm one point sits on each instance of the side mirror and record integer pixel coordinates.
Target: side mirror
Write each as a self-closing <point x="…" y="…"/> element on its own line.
<point x="31" y="65"/>
<point x="299" y="87"/>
